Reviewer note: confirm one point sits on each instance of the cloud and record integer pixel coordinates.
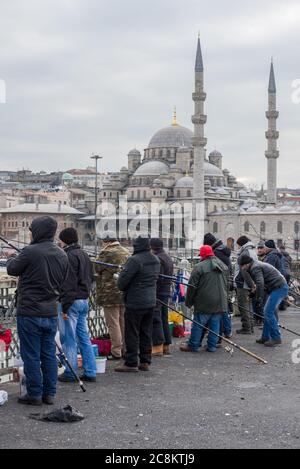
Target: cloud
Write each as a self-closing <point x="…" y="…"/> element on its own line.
<point x="103" y="76"/>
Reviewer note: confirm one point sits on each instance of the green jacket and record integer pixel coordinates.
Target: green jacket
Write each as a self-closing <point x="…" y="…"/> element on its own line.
<point x="209" y="295"/>
<point x="108" y="293"/>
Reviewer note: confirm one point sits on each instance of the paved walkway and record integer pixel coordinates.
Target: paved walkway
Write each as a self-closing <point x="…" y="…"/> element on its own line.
<point x="186" y="401"/>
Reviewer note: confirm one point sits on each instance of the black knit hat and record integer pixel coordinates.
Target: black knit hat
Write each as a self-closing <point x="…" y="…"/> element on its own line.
<point x="270" y="244"/>
<point x="209" y="239"/>
<point x="245" y="260"/>
<point x="243" y="240"/>
<point x="69" y="236"/>
<point x="156" y="243"/>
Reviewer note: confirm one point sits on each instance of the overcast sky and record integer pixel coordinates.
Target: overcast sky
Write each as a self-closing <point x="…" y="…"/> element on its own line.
<point x="102" y="76"/>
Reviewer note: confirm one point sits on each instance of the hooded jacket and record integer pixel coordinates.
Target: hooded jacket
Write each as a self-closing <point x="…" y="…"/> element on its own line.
<point x="276" y="259"/>
<point x="42" y="268"/>
<point x="247" y="250"/>
<point x="78" y="283"/>
<point x="208" y="292"/>
<point x="138" y="279"/>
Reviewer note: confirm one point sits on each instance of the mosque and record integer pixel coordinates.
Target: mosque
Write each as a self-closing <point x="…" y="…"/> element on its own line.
<point x="175" y="168"/>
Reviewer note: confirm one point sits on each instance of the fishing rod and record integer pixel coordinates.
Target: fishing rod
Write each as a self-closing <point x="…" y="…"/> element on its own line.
<point x="230" y="342"/>
<point x="262" y="317"/>
<point x="62" y="356"/>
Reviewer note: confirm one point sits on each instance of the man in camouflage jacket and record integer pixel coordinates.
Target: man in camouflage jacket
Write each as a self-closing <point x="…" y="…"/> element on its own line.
<point x="108" y="294"/>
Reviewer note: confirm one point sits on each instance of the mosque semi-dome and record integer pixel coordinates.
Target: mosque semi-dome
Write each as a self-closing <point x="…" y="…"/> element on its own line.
<point x="186" y="181"/>
<point x="174" y="136"/>
<point x="152" y="168"/>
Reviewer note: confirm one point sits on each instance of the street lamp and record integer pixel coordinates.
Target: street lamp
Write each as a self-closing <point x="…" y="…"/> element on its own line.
<point x="96" y="158"/>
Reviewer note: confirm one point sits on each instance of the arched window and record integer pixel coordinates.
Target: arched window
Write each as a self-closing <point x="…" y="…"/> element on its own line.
<point x="297" y="227"/>
<point x="247" y="227"/>
<point x="215" y="227"/>
<point x="139" y="194"/>
<point x="145" y="194"/>
<point x="279" y="227"/>
<point x="189" y="193"/>
<point x="168" y="153"/>
<point x="132" y="194"/>
<point x="178" y="194"/>
<point x="263" y="227"/>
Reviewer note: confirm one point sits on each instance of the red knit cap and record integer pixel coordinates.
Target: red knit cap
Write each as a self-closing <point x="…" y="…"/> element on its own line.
<point x="206" y="251"/>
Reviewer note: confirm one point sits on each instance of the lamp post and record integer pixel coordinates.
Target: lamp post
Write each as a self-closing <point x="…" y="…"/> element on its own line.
<point x="96" y="158"/>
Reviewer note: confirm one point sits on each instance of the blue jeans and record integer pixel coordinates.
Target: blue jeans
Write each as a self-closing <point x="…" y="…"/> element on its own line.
<point x="226" y="325"/>
<point x="271" y="329"/>
<point x="38" y="352"/>
<point x="74" y="334"/>
<point x="211" y="321"/>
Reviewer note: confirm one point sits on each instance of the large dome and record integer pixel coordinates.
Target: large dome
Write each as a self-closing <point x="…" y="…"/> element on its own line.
<point x="172" y="136"/>
<point x="152" y="168"/>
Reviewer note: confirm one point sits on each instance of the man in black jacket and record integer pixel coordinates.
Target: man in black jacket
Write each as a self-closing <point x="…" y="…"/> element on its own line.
<point x="266" y="278"/>
<point x="138" y="282"/>
<point x="42" y="267"/>
<point x="161" y="337"/>
<point x="74" y="308"/>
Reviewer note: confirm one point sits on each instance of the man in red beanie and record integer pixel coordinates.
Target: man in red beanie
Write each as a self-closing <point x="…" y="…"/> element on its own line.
<point x="208" y="294"/>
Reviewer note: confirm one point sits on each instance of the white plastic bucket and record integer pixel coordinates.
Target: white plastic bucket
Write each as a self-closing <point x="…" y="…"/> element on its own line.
<point x="101" y="364"/>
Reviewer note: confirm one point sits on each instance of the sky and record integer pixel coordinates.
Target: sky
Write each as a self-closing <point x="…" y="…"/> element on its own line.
<point x="86" y="77"/>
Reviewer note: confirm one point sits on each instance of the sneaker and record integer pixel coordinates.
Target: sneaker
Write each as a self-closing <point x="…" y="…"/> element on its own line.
<point x="273" y="343"/>
<point x="261" y="341"/>
<point x="144" y="367"/>
<point x="126" y="369"/>
<point x="65" y="379"/>
<point x="27" y="400"/>
<point x="187" y="348"/>
<point x="48" y="400"/>
<point x="88" y="379"/>
<point x="243" y="332"/>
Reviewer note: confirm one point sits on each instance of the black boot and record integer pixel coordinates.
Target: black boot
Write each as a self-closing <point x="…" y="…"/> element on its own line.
<point x="27" y="400"/>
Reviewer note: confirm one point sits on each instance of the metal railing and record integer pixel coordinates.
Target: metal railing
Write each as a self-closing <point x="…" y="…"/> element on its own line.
<point x="96" y="324"/>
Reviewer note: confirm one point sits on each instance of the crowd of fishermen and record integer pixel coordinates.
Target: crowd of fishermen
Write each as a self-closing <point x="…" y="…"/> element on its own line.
<point x="55" y="281"/>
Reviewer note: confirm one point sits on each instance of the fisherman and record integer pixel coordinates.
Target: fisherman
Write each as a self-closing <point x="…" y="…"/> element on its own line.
<point x="261" y="251"/>
<point x="266" y="277"/>
<point x="161" y="331"/>
<point x="74" y="309"/>
<point x="42" y="267"/>
<point x="138" y="281"/>
<point x="246" y="247"/>
<point x="274" y="257"/>
<point x="208" y="294"/>
<point x="223" y="253"/>
<point x="108" y="295"/>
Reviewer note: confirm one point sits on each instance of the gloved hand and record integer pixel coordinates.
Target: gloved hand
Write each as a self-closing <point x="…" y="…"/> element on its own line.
<point x="116" y="277"/>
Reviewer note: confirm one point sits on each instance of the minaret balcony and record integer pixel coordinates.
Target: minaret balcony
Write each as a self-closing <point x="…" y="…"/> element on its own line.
<point x="199" y="96"/>
<point x="199" y="119"/>
<point x="274" y="154"/>
<point x="272" y="114"/>
<point x="272" y="134"/>
<point x="199" y="141"/>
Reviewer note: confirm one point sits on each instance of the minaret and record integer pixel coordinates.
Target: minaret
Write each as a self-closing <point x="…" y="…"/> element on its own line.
<point x="272" y="135"/>
<point x="199" y="144"/>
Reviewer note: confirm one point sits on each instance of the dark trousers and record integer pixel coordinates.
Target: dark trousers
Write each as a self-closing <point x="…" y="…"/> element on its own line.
<point x="158" y="337"/>
<point x="138" y="336"/>
<point x="165" y="322"/>
<point x="38" y="352"/>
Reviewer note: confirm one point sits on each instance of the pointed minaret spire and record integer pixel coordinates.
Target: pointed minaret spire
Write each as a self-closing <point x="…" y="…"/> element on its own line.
<point x="272" y="83"/>
<point x="174" y="120"/>
<point x="199" y="60"/>
<point x="199" y="144"/>
<point x="272" y="135"/>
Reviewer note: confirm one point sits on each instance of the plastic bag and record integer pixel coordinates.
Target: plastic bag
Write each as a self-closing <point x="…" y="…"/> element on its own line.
<point x="3" y="397"/>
